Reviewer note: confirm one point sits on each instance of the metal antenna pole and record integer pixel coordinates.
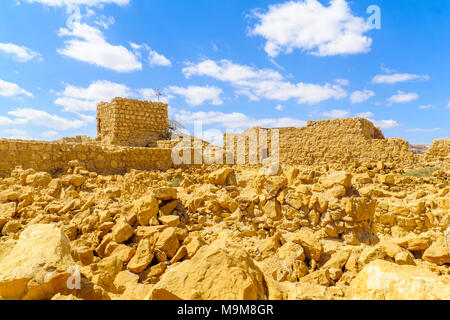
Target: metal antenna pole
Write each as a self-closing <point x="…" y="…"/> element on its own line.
<point x="159" y="94"/>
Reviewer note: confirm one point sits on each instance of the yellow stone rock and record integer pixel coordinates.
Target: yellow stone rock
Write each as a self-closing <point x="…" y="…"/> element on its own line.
<point x="165" y="193"/>
<point x="142" y="258"/>
<point x="222" y="271"/>
<point x="168" y="242"/>
<point x="382" y="280"/>
<point x="38" y="265"/>
<point x="122" y="231"/>
<point x="145" y="208"/>
<point x="170" y="221"/>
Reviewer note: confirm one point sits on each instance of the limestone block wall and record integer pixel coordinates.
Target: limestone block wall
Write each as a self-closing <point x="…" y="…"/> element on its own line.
<point x="129" y="122"/>
<point x="52" y="157"/>
<point x="339" y="141"/>
<point x="440" y="150"/>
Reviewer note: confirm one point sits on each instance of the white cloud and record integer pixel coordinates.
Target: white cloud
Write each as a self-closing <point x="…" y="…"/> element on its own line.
<point x="227" y="71"/>
<point x="403" y="97"/>
<point x="336" y="113"/>
<point x="313" y="28"/>
<point x="366" y="115"/>
<point x="90" y="46"/>
<point x="423" y="130"/>
<point x="99" y="90"/>
<point x="104" y="21"/>
<point x="398" y="77"/>
<point x="19" y="53"/>
<point x="386" y="124"/>
<point x="77" y="99"/>
<point x="70" y="3"/>
<point x="76" y="105"/>
<point x="157" y="59"/>
<point x="448" y="104"/>
<point x="9" y="89"/>
<point x="147" y="94"/>
<point x="235" y="120"/>
<point x="154" y="58"/>
<point x="361" y="96"/>
<point x="342" y="82"/>
<point x="42" y="118"/>
<point x="279" y="107"/>
<point x="50" y="134"/>
<point x="17" y="134"/>
<point x="196" y="95"/>
<point x="263" y="83"/>
<point x="428" y="106"/>
<point x="5" y="121"/>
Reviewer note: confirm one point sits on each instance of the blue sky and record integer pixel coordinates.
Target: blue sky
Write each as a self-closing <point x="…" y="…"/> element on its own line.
<point x="230" y="64"/>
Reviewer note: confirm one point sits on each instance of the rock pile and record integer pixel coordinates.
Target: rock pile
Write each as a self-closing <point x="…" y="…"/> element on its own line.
<point x="223" y="232"/>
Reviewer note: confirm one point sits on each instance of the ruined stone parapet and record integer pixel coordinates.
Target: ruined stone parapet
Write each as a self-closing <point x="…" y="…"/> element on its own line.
<point x="52" y="157"/>
<point x="339" y="141"/>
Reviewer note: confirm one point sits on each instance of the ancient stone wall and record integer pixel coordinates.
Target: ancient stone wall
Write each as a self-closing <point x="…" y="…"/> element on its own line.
<point x="52" y="157"/>
<point x="336" y="141"/>
<point x="128" y="122"/>
<point x="439" y="151"/>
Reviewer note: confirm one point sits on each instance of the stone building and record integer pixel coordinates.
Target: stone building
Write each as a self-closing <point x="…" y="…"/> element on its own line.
<point x="133" y="123"/>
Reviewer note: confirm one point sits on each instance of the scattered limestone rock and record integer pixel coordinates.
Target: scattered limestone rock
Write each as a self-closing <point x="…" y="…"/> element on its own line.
<point x="122" y="231"/>
<point x="382" y="280"/>
<point x="40" y="179"/>
<point x="145" y="208"/>
<point x="142" y="258"/>
<point x="438" y="252"/>
<point x="220" y="177"/>
<point x="307" y="239"/>
<point x="168" y="242"/>
<point x="38" y="265"/>
<point x="170" y="221"/>
<point x="223" y="271"/>
<point x="165" y="193"/>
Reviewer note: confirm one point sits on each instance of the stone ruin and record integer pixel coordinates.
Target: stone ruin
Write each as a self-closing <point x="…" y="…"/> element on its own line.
<point x="352" y="140"/>
<point x="135" y="134"/>
<point x="133" y="123"/>
<point x="366" y="231"/>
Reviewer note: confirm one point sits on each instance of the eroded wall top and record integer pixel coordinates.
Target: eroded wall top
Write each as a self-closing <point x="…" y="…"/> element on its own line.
<point x="338" y="141"/>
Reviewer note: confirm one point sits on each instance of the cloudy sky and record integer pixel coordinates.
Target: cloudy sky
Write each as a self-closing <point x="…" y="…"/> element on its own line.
<point x="231" y="64"/>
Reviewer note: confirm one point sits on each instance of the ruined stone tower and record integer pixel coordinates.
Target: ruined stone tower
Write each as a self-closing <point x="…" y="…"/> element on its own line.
<point x="134" y="123"/>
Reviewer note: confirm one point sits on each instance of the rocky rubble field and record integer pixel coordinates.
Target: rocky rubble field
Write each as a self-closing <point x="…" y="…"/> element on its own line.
<point x="369" y="232"/>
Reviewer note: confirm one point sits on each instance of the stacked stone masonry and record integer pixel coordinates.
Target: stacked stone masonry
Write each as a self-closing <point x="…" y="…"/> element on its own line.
<point x="439" y="151"/>
<point x="53" y="157"/>
<point x="125" y="126"/>
<point x="330" y="142"/>
<point x="135" y="123"/>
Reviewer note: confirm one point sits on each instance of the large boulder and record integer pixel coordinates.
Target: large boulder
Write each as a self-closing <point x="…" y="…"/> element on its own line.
<point x="38" y="266"/>
<point x="383" y="280"/>
<point x="220" y="271"/>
